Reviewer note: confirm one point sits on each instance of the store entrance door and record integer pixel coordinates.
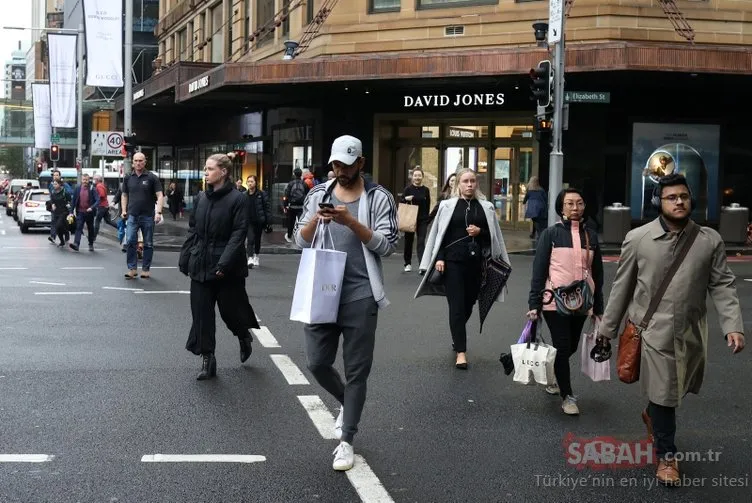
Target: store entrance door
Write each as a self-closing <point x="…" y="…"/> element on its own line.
<point x="512" y="168"/>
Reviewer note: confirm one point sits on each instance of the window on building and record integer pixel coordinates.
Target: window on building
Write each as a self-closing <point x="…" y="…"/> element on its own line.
<point x="230" y="36"/>
<point x="426" y="4"/>
<point x="286" y="22"/>
<point x="182" y="45"/>
<point x="264" y="14"/>
<point x="190" y="44"/>
<point x="384" y="5"/>
<point x="217" y="35"/>
<point x="248" y="23"/>
<point x="309" y="11"/>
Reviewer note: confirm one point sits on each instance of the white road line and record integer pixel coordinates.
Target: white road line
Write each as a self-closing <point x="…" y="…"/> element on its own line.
<point x="81" y="268"/>
<point x="13" y="268"/>
<point x="183" y="292"/>
<point x="62" y="293"/>
<point x="366" y="483"/>
<point x="122" y="288"/>
<point x="163" y="267"/>
<point x="288" y="368"/>
<point x="202" y="458"/>
<point x="265" y="337"/>
<point x="25" y="458"/>
<point x="747" y="279"/>
<point x="320" y="416"/>
<point x="46" y="283"/>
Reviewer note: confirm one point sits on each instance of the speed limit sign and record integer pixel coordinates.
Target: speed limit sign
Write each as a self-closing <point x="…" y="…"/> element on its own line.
<point x="115" y="141"/>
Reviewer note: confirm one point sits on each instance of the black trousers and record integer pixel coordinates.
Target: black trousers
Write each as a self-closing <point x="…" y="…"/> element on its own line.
<point x="462" y="282"/>
<point x="84" y="218"/>
<point x="255" y="231"/>
<point x="420" y="230"/>
<point x="60" y="227"/>
<point x="664" y="428"/>
<point x="234" y="308"/>
<point x="292" y="214"/>
<point x="102" y="213"/>
<point x="565" y="337"/>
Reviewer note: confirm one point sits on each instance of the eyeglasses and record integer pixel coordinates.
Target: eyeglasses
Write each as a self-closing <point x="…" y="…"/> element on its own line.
<point x="570" y="204"/>
<point x="674" y="198"/>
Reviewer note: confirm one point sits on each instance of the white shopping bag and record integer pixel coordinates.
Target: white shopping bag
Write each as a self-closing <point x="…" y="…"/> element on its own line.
<point x="319" y="282"/>
<point x="591" y="368"/>
<point x="534" y="362"/>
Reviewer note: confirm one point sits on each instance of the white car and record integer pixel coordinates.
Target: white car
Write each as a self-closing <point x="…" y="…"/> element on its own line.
<point x="32" y="211"/>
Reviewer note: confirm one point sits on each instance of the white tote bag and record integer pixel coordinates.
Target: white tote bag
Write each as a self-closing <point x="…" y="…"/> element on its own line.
<point x="319" y="283"/>
<point x="534" y="363"/>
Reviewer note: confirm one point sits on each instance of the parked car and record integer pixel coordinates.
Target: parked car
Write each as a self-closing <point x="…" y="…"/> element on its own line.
<point x="32" y="211"/>
<point x="16" y="185"/>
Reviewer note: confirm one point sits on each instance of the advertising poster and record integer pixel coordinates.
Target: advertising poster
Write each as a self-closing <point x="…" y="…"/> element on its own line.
<point x="18" y="82"/>
<point x="662" y="149"/>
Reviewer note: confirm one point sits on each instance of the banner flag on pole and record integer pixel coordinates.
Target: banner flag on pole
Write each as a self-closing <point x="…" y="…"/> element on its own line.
<point x="40" y="95"/>
<point x="63" y="57"/>
<point x="103" y="28"/>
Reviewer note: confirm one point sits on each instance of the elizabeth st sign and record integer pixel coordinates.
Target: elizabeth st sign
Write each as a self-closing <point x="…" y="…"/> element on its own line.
<point x="587" y="97"/>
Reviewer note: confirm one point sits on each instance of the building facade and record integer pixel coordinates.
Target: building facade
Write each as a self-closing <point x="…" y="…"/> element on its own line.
<point x="443" y="84"/>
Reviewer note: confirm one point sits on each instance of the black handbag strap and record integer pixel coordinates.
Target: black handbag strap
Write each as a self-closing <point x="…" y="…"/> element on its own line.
<point x="653" y="306"/>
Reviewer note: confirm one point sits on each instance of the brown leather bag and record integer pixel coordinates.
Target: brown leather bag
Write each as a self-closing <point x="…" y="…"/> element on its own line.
<point x="630" y="341"/>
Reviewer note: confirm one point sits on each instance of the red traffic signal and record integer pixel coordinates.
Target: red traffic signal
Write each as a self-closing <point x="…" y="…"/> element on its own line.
<point x="240" y="156"/>
<point x="39" y="167"/>
<point x="54" y="153"/>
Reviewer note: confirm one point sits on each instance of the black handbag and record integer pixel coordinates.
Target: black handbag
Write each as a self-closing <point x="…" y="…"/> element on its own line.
<point x="576" y="298"/>
<point x="435" y="277"/>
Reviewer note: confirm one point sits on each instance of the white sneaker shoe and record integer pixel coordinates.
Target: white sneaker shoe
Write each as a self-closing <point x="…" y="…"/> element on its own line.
<point x="553" y="389"/>
<point x="408" y="268"/>
<point x="256" y="260"/>
<point x="288" y="238"/>
<point x="338" y="423"/>
<point x="250" y="261"/>
<point x="344" y="457"/>
<point x="569" y="406"/>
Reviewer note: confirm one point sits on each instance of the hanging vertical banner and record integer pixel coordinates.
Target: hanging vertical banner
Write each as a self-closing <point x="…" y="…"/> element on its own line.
<point x="103" y="26"/>
<point x="62" y="50"/>
<point x="40" y="95"/>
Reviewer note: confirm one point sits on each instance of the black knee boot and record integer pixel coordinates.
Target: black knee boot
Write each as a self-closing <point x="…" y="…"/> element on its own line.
<point x="245" y="347"/>
<point x="208" y="367"/>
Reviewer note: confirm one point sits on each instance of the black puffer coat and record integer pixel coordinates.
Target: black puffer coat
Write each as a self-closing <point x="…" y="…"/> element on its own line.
<point x="216" y="236"/>
<point x="258" y="207"/>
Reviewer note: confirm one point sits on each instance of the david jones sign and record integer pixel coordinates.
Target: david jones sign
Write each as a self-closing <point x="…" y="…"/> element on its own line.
<point x="457" y="100"/>
<point x="198" y="84"/>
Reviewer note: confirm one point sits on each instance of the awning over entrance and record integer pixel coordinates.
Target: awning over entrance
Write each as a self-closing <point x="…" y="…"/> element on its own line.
<point x="496" y="62"/>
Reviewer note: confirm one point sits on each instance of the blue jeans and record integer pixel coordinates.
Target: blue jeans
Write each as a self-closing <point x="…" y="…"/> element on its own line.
<point x="121" y="230"/>
<point x="146" y="225"/>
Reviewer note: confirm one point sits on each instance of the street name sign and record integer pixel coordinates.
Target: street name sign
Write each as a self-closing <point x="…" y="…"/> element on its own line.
<point x="555" y="21"/>
<point x="587" y="97"/>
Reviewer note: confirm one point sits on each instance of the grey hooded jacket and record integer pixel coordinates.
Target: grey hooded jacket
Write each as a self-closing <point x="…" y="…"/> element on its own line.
<point x="378" y="212"/>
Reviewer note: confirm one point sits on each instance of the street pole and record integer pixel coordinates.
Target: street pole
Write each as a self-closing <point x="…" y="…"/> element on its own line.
<point x="128" y="101"/>
<point x="556" y="164"/>
<point x="80" y="138"/>
<point x="54" y="163"/>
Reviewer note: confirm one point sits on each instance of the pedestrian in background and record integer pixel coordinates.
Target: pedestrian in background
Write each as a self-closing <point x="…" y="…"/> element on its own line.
<point x="418" y="194"/>
<point x="258" y="216"/>
<point x="60" y="201"/>
<point x="141" y="189"/>
<point x="239" y="185"/>
<point x="536" y="206"/>
<point x="213" y="255"/>
<point x="567" y="252"/>
<point x="465" y="232"/>
<point x="84" y="205"/>
<point x="447" y="192"/>
<point x="103" y="208"/>
<point x="174" y="200"/>
<point x="295" y="194"/>
<point x="56" y="176"/>
<point x="674" y="344"/>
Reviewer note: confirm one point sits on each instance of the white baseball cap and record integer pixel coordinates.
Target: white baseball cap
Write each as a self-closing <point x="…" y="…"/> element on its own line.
<point x="346" y="149"/>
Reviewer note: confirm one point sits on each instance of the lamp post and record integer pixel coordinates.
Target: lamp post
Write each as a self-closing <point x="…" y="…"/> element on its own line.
<point x="79" y="75"/>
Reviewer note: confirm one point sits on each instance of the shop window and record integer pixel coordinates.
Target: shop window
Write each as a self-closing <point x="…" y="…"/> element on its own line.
<point x="384" y="6"/>
<point x="514" y="131"/>
<point x="428" y="4"/>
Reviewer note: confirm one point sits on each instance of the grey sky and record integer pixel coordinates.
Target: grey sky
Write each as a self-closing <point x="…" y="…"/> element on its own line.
<point x="14" y="13"/>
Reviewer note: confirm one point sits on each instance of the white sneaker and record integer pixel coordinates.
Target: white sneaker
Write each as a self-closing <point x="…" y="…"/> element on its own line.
<point x="250" y="261"/>
<point x="344" y="457"/>
<point x="569" y="406"/>
<point x="408" y="268"/>
<point x="338" y="423"/>
<point x="553" y="389"/>
<point x="256" y="260"/>
<point x="288" y="238"/>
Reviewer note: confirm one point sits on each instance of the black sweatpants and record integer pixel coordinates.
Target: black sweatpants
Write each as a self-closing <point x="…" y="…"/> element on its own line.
<point x="60" y="227"/>
<point x="664" y="428"/>
<point x="565" y="337"/>
<point x="420" y="230"/>
<point x="462" y="283"/>
<point x="255" y="231"/>
<point x="292" y="214"/>
<point x="234" y="308"/>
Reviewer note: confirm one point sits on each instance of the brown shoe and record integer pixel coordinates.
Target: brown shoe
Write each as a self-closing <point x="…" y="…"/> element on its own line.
<point x="145" y="274"/>
<point x="668" y="472"/>
<point x="132" y="274"/>
<point x="649" y="424"/>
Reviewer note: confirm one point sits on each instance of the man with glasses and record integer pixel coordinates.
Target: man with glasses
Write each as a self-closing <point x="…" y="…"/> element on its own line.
<point x="675" y="342"/>
<point x="141" y="189"/>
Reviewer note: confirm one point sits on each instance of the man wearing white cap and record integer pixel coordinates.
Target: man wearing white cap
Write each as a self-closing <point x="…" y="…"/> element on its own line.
<point x="362" y="218"/>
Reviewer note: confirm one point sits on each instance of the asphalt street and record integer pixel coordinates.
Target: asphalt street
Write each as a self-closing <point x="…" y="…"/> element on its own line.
<point x="94" y="379"/>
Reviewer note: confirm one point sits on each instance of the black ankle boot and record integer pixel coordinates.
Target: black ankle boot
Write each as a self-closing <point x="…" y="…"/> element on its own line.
<point x="208" y="367"/>
<point x="245" y="348"/>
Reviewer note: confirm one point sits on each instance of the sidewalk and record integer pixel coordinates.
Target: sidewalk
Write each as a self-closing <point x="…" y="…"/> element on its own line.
<point x="170" y="235"/>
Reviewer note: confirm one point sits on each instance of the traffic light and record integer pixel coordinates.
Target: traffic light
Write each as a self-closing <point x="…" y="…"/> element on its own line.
<point x="542" y="127"/>
<point x="240" y="156"/>
<point x="129" y="145"/>
<point x="39" y="167"/>
<point x="543" y="83"/>
<point x="54" y="153"/>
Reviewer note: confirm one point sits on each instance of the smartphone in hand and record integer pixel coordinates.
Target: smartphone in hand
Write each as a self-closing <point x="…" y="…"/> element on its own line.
<point x="326" y="206"/>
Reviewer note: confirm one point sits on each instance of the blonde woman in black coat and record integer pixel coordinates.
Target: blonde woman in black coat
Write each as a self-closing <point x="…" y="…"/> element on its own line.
<point x="213" y="256"/>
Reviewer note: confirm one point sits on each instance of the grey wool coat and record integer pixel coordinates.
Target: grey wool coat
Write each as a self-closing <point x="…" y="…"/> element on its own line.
<point x="674" y="345"/>
<point x="436" y="236"/>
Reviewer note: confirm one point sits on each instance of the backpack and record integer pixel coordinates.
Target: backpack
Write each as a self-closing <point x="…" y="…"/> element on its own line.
<point x="297" y="192"/>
